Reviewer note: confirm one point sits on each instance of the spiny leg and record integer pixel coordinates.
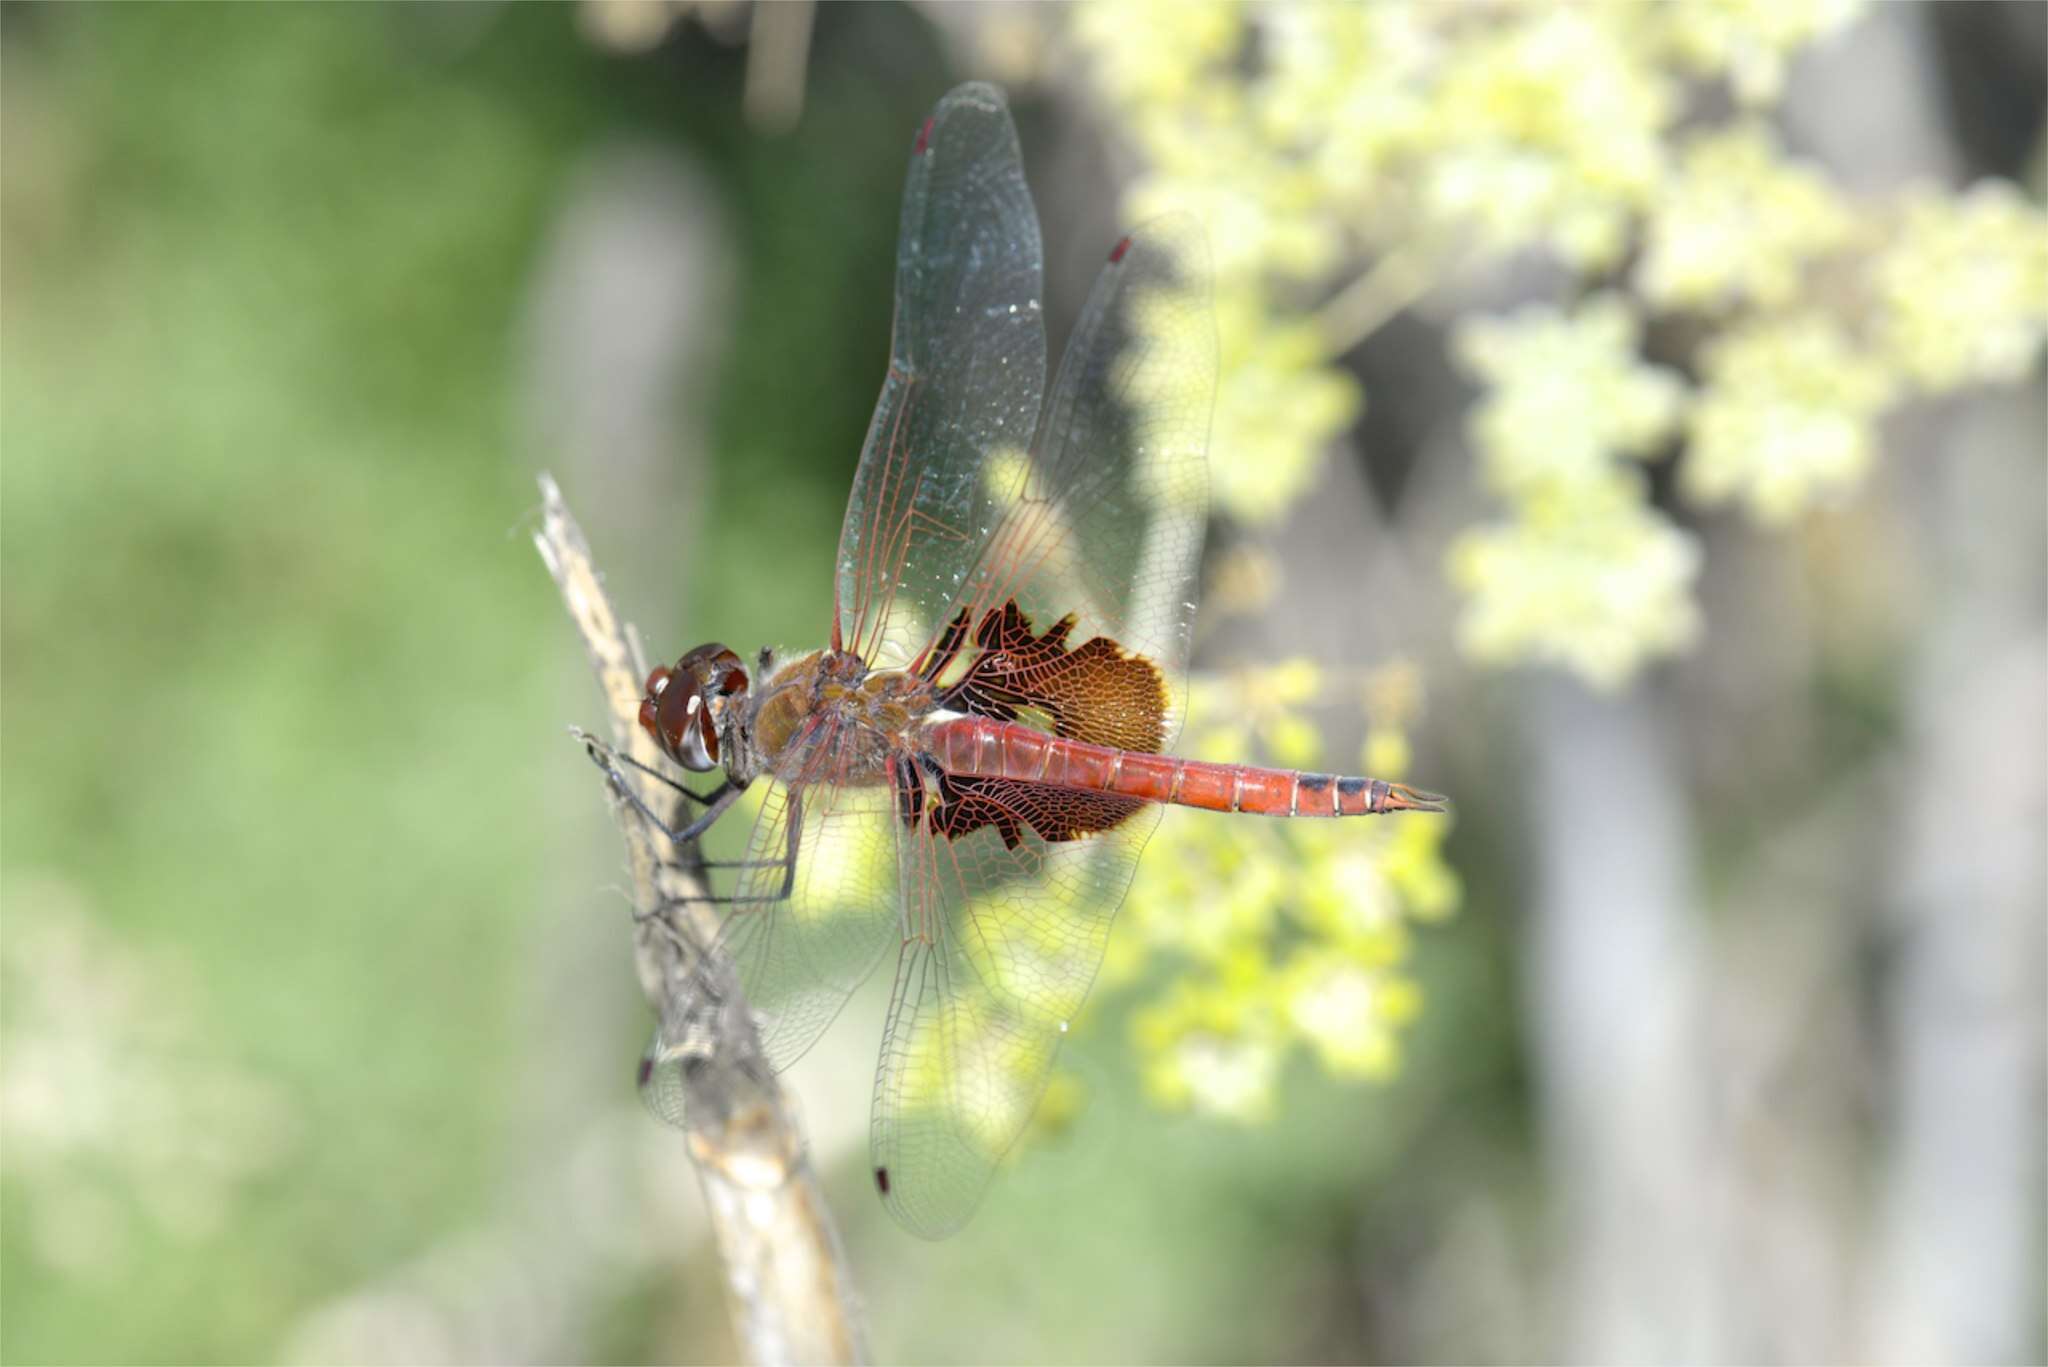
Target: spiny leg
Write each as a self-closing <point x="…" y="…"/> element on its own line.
<point x="715" y="803"/>
<point x="701" y="799"/>
<point x="793" y="843"/>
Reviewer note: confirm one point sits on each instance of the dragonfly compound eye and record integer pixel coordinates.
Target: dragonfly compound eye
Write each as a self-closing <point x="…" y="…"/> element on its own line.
<point x="650" y="705"/>
<point x="671" y="712"/>
<point x="702" y="741"/>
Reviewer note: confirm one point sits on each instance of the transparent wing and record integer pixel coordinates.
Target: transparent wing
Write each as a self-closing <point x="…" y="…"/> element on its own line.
<point x="803" y="941"/>
<point x="1103" y="517"/>
<point x="966" y="376"/>
<point x="1109" y="520"/>
<point x="1102" y="520"/>
<point x="999" y="950"/>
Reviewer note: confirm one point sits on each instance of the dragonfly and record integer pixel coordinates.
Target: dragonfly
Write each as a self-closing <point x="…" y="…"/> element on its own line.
<point x="967" y="774"/>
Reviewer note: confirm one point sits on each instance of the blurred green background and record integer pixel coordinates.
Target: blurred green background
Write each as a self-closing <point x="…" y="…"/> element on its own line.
<point x="319" y="1016"/>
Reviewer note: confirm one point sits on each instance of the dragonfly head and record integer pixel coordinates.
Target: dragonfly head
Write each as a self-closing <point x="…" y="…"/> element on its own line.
<point x="691" y="707"/>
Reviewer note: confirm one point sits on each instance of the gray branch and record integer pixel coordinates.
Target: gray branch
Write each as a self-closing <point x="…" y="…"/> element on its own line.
<point x="786" y="1276"/>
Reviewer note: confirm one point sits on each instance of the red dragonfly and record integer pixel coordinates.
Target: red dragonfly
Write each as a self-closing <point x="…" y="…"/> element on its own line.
<point x="968" y="773"/>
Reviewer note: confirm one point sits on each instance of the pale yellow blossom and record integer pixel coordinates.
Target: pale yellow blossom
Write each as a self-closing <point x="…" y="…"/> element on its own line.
<point x="1964" y="287"/>
<point x="1751" y="42"/>
<point x="1543" y="129"/>
<point x="1155" y="52"/>
<point x="1594" y="580"/>
<point x="1276" y="407"/>
<point x="1738" y="224"/>
<point x="1230" y="900"/>
<point x="1567" y="392"/>
<point x="1347" y="158"/>
<point x="1786" y="418"/>
<point x="1342" y="1011"/>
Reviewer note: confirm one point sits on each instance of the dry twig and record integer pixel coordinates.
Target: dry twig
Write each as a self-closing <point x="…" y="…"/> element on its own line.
<point x="786" y="1277"/>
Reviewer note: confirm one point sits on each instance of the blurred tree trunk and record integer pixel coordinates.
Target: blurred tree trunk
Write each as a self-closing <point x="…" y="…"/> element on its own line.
<point x="1962" y="1257"/>
<point x="1614" y="1005"/>
<point x="1959" y="1251"/>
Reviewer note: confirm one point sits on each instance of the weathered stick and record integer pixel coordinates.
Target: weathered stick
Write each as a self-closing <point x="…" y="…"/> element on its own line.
<point x="786" y="1278"/>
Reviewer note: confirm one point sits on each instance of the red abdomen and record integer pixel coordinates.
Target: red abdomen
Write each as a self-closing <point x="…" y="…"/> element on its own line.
<point x="983" y="747"/>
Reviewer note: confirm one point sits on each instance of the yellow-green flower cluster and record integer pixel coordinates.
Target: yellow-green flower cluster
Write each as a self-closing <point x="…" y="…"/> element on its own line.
<point x="1737" y="224"/>
<point x="1276" y="400"/>
<point x="1350" y="157"/>
<point x="1542" y="130"/>
<point x="1785" y="418"/>
<point x="1292" y="934"/>
<point x="1566" y="392"/>
<point x="1591" y="578"/>
<point x="1963" y="287"/>
<point x="1165" y="71"/>
<point x="1584" y="574"/>
<point x="1749" y="42"/>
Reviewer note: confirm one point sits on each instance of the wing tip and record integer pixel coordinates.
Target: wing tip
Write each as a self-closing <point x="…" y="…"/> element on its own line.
<point x="979" y="95"/>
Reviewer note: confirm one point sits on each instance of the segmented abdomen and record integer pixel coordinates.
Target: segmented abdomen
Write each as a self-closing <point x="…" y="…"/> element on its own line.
<point x="981" y="746"/>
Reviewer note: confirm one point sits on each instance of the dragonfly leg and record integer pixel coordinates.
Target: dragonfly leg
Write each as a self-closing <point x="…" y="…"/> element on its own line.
<point x="716" y="803"/>
<point x="787" y="863"/>
<point x="721" y="801"/>
<point x="701" y="799"/>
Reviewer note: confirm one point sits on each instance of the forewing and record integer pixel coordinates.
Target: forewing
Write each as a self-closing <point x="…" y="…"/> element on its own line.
<point x="1106" y="522"/>
<point x="803" y="942"/>
<point x="1000" y="945"/>
<point x="966" y="375"/>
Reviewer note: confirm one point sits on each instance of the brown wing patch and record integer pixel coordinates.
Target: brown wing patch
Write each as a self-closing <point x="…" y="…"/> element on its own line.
<point x="1096" y="692"/>
<point x="967" y="804"/>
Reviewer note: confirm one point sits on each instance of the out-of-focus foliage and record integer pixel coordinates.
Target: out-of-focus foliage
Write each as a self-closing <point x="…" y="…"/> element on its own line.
<point x="1737" y="224"/>
<point x="1580" y="376"/>
<point x="318" y="1024"/>
<point x="1430" y="138"/>
<point x="282" y="680"/>
<point x="1963" y="287"/>
<point x="105" y="1045"/>
<point x="1785" y="416"/>
<point x="1746" y="42"/>
<point x="1281" y="934"/>
<point x="1588" y="575"/>
<point x="1427" y="140"/>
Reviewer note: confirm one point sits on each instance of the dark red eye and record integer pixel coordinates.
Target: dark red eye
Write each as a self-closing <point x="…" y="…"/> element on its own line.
<point x="676" y="708"/>
<point x="672" y="711"/>
<point x="658" y="680"/>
